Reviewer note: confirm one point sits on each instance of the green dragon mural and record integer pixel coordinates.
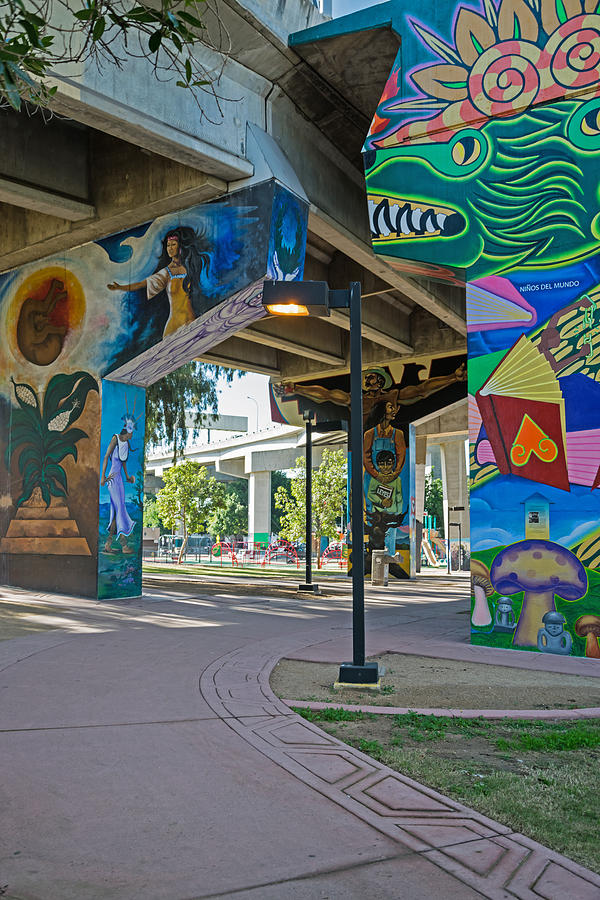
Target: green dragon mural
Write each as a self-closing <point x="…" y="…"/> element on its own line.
<point x="483" y="168"/>
<point x="493" y="163"/>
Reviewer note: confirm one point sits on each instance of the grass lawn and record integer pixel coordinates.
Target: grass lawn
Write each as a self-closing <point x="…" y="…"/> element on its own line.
<point x="538" y="778"/>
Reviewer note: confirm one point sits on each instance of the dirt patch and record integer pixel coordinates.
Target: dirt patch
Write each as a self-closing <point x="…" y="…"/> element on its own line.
<point x="422" y="682"/>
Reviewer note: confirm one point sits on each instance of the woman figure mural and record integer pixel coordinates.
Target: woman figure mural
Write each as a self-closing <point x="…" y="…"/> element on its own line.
<point x="120" y="524"/>
<point x="183" y="258"/>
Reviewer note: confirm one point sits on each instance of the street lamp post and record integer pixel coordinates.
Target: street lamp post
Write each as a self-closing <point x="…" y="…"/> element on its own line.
<point x="308" y="582"/>
<point x="307" y="298"/>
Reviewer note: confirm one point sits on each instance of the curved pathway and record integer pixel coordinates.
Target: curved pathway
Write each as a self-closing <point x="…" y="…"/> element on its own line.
<point x="123" y="779"/>
<point x="480" y="852"/>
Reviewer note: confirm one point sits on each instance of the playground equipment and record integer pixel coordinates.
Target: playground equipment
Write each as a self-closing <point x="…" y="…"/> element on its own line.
<point x="336" y="553"/>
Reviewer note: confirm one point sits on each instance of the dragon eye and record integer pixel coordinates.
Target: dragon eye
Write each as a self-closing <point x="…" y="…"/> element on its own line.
<point x="590" y="124"/>
<point x="466" y="151"/>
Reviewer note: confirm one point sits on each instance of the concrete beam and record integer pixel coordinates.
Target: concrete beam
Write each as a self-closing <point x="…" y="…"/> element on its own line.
<point x="44" y="201"/>
<point x="262" y="335"/>
<point x="372" y="332"/>
<point x="112" y="117"/>
<point x="235" y="353"/>
<point x="127" y="188"/>
<point x="431" y="337"/>
<point x="361" y="252"/>
<point x="233" y="467"/>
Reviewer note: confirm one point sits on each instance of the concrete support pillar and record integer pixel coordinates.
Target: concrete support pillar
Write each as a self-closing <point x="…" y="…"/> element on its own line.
<point x="259" y="506"/>
<point x="454" y="479"/>
<point x="419" y="482"/>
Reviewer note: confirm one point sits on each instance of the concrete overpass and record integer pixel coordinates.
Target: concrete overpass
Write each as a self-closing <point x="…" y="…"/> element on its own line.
<point x="253" y="457"/>
<point x="118" y="154"/>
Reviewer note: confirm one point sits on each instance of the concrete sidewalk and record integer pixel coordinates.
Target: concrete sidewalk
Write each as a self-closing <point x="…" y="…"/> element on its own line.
<point x="145" y="756"/>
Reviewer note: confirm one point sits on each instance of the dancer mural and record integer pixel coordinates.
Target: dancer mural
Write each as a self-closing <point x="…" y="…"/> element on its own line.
<point x="122" y="479"/>
<point x="117" y="313"/>
<point x="392" y="398"/>
<point x="482" y="168"/>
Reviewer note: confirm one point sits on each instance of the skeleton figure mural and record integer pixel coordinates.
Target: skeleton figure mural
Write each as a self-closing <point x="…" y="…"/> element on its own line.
<point x="482" y="165"/>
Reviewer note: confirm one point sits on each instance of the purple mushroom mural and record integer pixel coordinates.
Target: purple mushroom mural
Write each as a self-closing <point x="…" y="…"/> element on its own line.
<point x="542" y="570"/>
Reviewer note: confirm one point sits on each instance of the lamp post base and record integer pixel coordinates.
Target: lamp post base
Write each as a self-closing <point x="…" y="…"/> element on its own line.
<point x="312" y="588"/>
<point x="359" y="675"/>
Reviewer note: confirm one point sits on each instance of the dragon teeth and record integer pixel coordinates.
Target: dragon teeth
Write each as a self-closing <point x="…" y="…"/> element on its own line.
<point x="392" y="218"/>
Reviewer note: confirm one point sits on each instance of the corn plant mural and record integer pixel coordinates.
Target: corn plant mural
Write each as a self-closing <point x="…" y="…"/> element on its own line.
<point x="41" y="436"/>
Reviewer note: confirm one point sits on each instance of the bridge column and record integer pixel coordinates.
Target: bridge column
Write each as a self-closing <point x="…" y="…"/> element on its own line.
<point x="454" y="478"/>
<point x="419" y="495"/>
<point x="259" y="506"/>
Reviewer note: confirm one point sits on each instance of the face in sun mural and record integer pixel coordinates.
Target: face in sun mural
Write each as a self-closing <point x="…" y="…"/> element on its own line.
<point x="482" y="168"/>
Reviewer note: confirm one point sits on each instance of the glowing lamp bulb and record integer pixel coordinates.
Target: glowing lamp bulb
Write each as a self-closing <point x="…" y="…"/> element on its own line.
<point x="287" y="309"/>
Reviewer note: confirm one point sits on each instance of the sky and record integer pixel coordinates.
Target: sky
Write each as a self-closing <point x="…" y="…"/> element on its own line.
<point x="343" y="7"/>
<point x="233" y="399"/>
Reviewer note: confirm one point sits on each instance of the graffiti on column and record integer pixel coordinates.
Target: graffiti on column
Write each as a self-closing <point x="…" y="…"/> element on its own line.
<point x="392" y="397"/>
<point x="482" y="169"/>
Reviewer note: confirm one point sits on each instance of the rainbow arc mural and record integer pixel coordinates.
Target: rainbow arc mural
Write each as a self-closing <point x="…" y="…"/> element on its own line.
<point x="483" y="168"/>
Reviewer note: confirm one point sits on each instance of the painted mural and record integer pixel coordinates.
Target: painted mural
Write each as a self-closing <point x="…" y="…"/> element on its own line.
<point x="482" y="168"/>
<point x="83" y="333"/>
<point x="121" y="491"/>
<point x="393" y="397"/>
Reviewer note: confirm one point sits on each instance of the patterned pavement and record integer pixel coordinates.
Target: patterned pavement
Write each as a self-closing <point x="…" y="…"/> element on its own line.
<point x="481" y="853"/>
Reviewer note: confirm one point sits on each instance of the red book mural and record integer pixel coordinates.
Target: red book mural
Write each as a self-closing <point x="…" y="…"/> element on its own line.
<point x="523" y="413"/>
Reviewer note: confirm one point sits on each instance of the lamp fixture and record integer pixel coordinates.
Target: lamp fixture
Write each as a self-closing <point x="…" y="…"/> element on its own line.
<point x="296" y="298"/>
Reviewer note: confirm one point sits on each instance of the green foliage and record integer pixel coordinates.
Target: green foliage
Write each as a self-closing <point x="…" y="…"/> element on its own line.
<point x="568" y="739"/>
<point x="434" y="501"/>
<point x="232" y="517"/>
<point x="373" y="748"/>
<point x="169" y="401"/>
<point x="334" y="714"/>
<point x="151" y="517"/>
<point x="40" y="436"/>
<point x="188" y="497"/>
<point x="37" y="34"/>
<point x="278" y="480"/>
<point x="328" y="498"/>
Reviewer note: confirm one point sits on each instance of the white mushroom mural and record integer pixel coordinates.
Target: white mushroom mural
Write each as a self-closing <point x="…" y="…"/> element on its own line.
<point x="542" y="570"/>
<point x="482" y="588"/>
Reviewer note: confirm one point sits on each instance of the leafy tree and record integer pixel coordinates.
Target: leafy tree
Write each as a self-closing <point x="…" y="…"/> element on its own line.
<point x="36" y="35"/>
<point x="232" y="517"/>
<point x="188" y="497"/>
<point x="151" y="516"/>
<point x="278" y="480"/>
<point x="328" y="498"/>
<point x="434" y="501"/>
<point x="169" y="401"/>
